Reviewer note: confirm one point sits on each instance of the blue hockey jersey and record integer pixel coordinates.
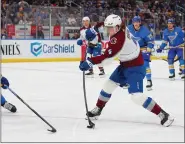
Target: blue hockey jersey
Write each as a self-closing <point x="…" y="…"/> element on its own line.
<point x="175" y="38"/>
<point x="143" y="36"/>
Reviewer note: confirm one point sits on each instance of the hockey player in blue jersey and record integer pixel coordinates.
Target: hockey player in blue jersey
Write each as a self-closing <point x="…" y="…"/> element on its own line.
<point x="175" y="37"/>
<point x="4" y="103"/>
<point x="146" y="43"/>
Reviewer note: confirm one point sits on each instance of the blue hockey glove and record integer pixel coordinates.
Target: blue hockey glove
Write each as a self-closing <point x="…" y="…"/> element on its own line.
<point x="85" y="65"/>
<point x="159" y="50"/>
<point x="79" y="42"/>
<point x="4" y="82"/>
<point x="90" y="34"/>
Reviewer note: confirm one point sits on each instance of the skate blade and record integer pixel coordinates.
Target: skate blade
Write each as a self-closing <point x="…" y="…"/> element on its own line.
<point x="92" y="118"/>
<point x="182" y="77"/>
<point x="180" y="74"/>
<point x="168" y="122"/>
<point x="172" y="79"/>
<point x="89" y="76"/>
<point x="102" y="76"/>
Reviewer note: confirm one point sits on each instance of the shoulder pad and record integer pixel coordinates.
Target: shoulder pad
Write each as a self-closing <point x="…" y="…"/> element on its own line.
<point x="82" y="28"/>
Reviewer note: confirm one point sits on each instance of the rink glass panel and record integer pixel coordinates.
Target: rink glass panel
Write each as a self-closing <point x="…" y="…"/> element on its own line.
<point x="57" y="22"/>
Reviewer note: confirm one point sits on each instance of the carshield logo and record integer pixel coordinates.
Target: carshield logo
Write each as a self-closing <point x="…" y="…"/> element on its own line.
<point x="48" y="48"/>
<point x="36" y="48"/>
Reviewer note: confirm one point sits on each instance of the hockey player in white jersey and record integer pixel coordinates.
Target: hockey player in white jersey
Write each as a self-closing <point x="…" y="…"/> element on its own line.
<point x="94" y="47"/>
<point x="131" y="70"/>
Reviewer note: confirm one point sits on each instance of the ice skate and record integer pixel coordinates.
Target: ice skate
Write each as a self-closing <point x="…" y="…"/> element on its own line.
<point x="182" y="76"/>
<point x="180" y="72"/>
<point x="102" y="73"/>
<point x="166" y="120"/>
<point x="90" y="74"/>
<point x="172" y="77"/>
<point x="10" y="107"/>
<point x="94" y="113"/>
<point x="149" y="85"/>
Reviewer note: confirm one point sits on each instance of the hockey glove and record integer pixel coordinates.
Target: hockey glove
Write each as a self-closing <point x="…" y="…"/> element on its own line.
<point x="85" y="65"/>
<point x="4" y="83"/>
<point x="159" y="50"/>
<point x="79" y="42"/>
<point x="90" y="34"/>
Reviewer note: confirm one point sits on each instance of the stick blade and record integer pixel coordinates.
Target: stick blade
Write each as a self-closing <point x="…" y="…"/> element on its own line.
<point x="91" y="125"/>
<point x="53" y="130"/>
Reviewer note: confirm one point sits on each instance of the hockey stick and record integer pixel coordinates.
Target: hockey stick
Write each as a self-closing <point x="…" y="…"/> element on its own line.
<point x="160" y="58"/>
<point x="91" y="124"/>
<point x="53" y="130"/>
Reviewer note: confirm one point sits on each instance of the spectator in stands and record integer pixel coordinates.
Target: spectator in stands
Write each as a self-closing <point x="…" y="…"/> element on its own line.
<point x="3" y="34"/>
<point x="57" y="23"/>
<point x="12" y="16"/>
<point x="32" y="21"/>
<point x="40" y="21"/>
<point x="3" y="9"/>
<point x="71" y="20"/>
<point x="151" y="11"/>
<point x="33" y="13"/>
<point x="76" y="36"/>
<point x="66" y="36"/>
<point x="39" y="34"/>
<point x="23" y="3"/>
<point x="21" y="15"/>
<point x="43" y="14"/>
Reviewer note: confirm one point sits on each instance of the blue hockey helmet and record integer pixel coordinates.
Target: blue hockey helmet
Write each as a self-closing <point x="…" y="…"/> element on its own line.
<point x="90" y="34"/>
<point x="171" y="21"/>
<point x="136" y="19"/>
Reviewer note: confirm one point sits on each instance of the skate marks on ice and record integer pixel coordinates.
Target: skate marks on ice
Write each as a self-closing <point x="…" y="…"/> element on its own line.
<point x="97" y="121"/>
<point x="57" y="70"/>
<point x="106" y="130"/>
<point x="70" y="121"/>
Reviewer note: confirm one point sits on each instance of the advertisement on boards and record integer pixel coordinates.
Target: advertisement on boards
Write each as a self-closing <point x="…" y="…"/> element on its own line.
<point x="46" y="48"/>
<point x="10" y="49"/>
<point x="40" y="50"/>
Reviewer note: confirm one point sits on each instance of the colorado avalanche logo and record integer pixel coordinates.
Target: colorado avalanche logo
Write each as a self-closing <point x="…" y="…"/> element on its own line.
<point x="113" y="40"/>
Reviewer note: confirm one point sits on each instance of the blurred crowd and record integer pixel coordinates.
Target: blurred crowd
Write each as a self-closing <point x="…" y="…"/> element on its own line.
<point x="154" y="13"/>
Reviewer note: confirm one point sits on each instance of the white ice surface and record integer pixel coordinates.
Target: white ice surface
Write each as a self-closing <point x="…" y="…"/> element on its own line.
<point x="55" y="91"/>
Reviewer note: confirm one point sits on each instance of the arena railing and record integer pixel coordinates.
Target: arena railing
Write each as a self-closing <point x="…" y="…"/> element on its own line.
<point x="65" y="22"/>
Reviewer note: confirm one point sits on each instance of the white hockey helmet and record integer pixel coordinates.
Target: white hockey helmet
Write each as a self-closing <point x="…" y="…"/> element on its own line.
<point x="86" y="18"/>
<point x="112" y="21"/>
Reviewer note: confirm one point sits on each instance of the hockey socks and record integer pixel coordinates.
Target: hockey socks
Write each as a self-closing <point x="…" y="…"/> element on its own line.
<point x="152" y="106"/>
<point x="103" y="99"/>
